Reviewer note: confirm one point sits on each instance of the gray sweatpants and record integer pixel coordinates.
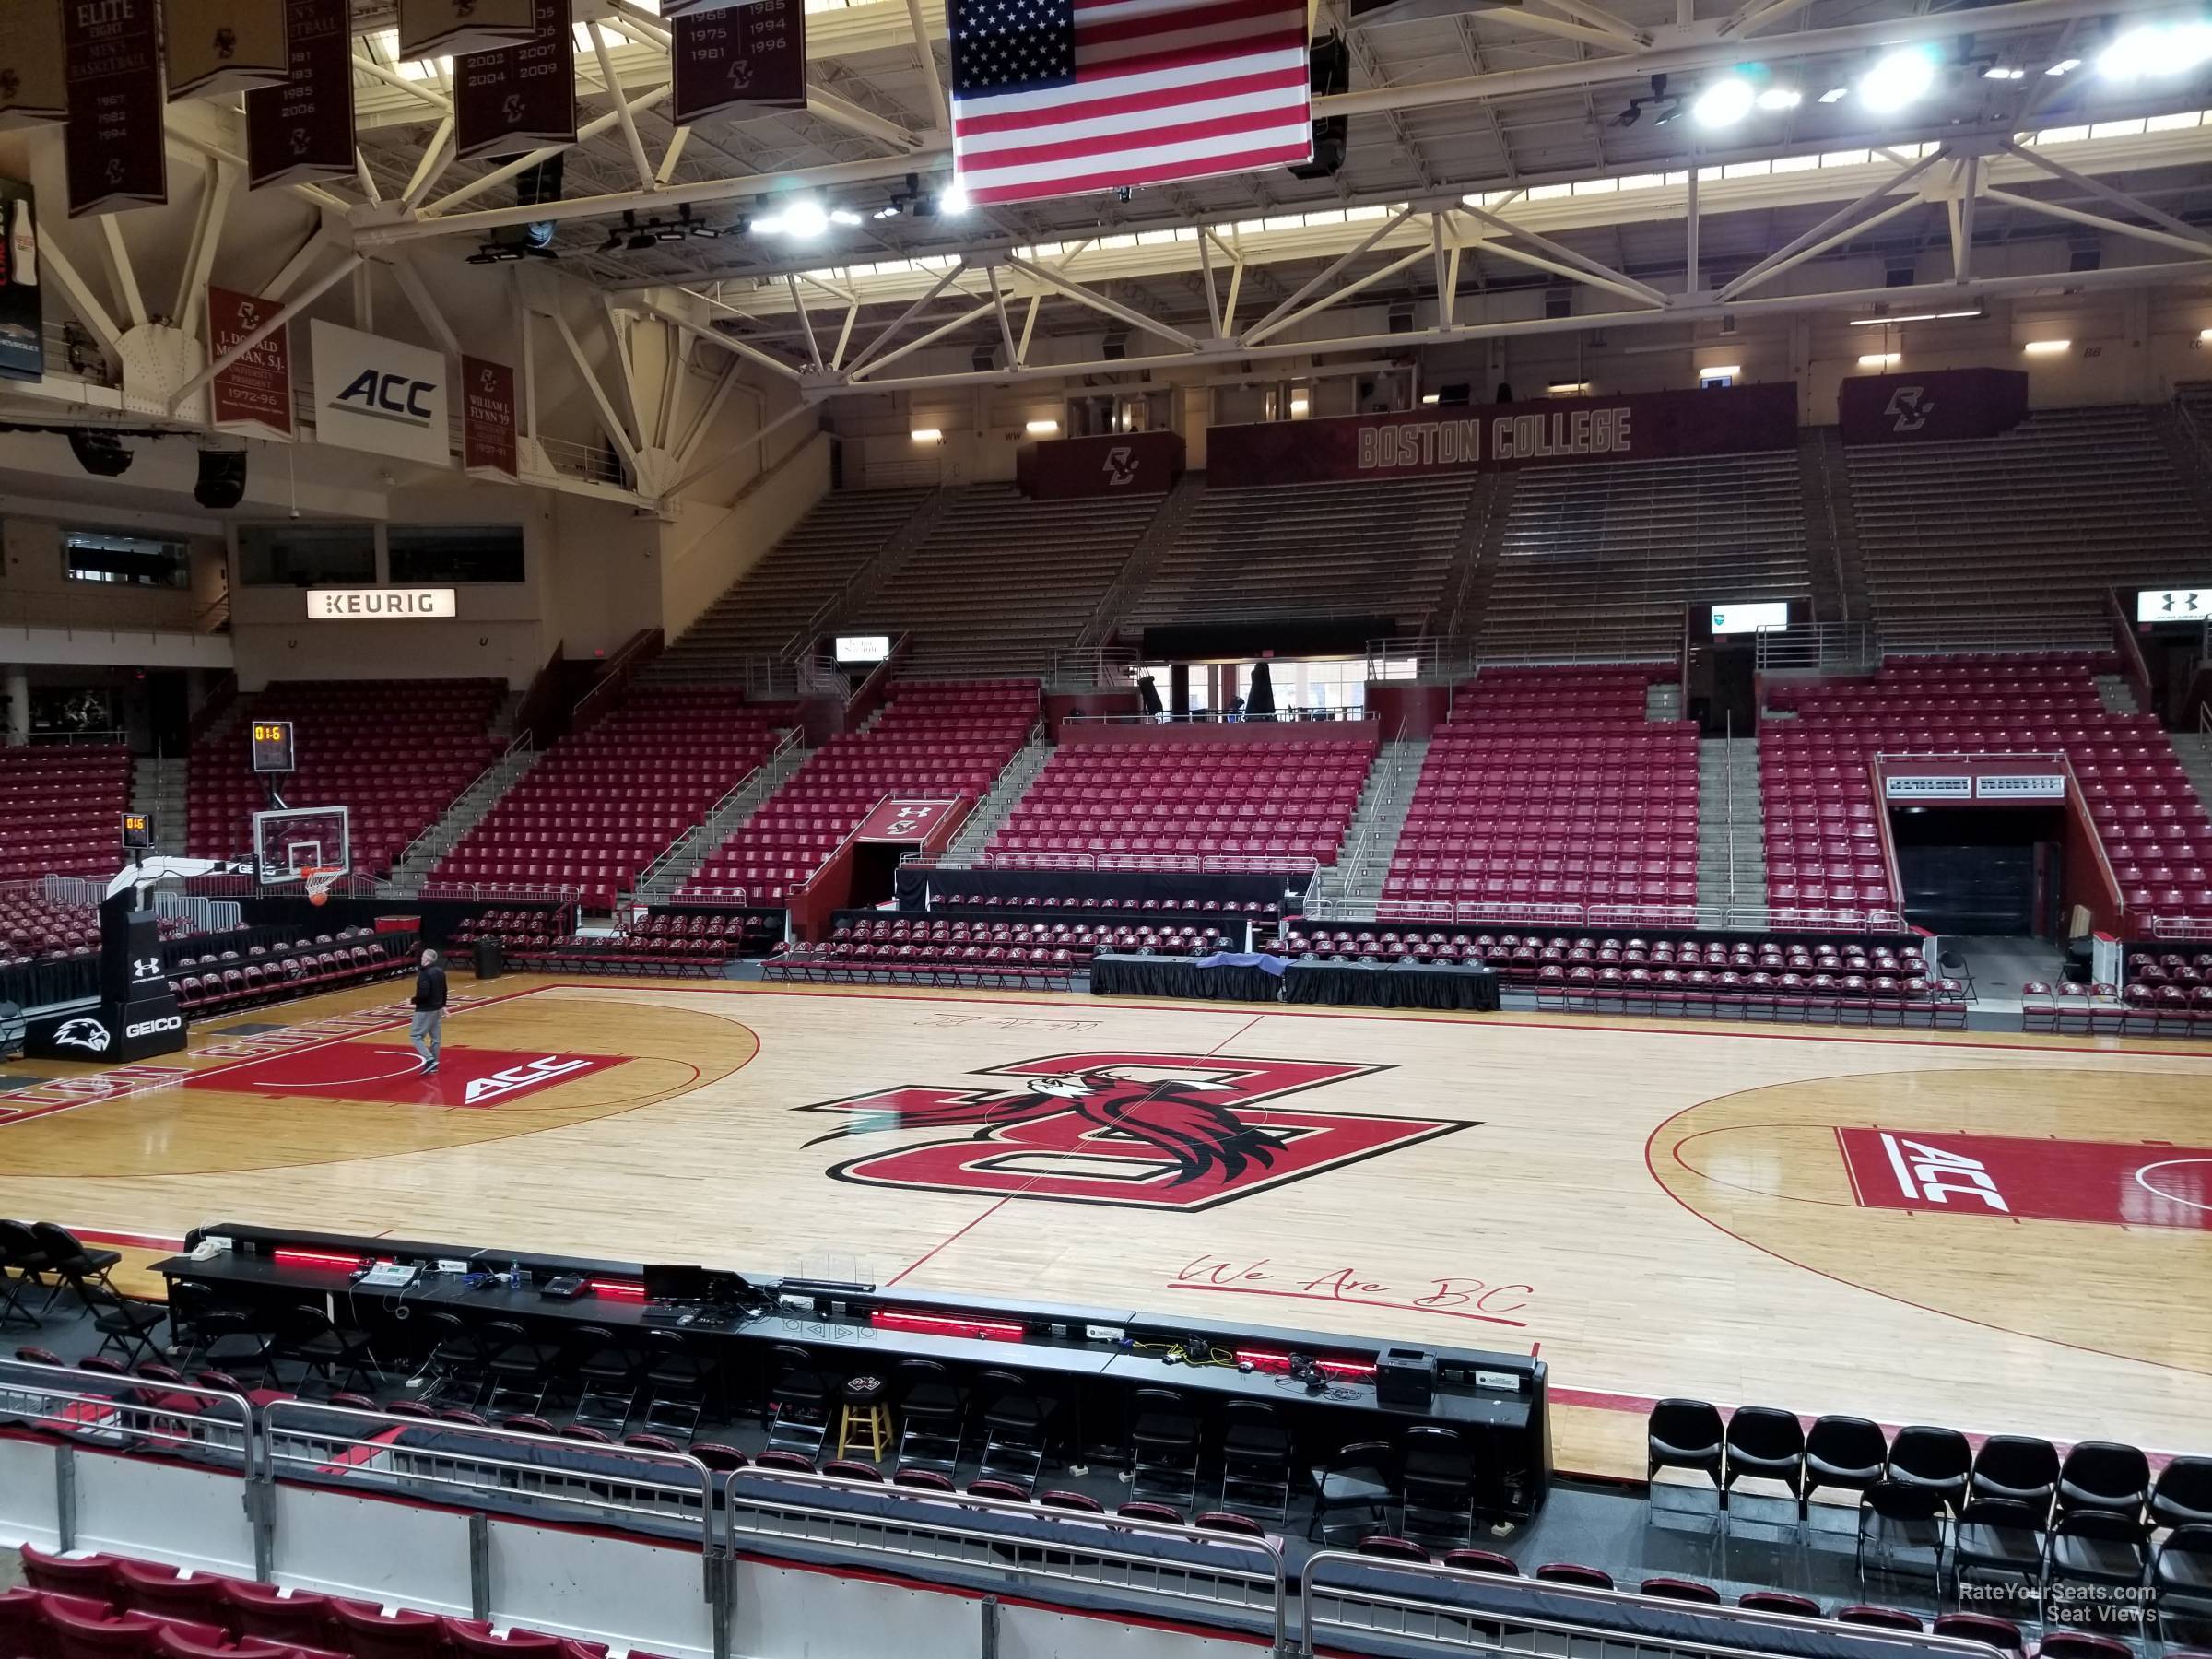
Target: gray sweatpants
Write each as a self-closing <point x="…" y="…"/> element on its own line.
<point x="425" y="1031"/>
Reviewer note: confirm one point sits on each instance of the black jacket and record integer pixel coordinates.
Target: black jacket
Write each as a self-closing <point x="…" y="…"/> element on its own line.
<point x="429" y="987"/>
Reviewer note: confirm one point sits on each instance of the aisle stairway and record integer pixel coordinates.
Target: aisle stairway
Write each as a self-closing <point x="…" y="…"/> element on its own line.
<point x="1371" y="838"/>
<point x="158" y="787"/>
<point x="467" y="811"/>
<point x="1731" y="874"/>
<point x="677" y="866"/>
<point x="1006" y="795"/>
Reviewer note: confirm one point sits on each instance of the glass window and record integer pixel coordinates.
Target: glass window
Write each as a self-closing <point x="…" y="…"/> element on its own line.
<point x="156" y="561"/>
<point x="424" y="553"/>
<point x="306" y="555"/>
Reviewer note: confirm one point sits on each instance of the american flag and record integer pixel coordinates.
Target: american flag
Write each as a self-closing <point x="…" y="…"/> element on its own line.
<point x="1053" y="97"/>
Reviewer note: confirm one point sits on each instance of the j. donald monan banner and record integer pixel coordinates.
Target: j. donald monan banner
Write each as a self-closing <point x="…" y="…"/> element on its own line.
<point x="1558" y="432"/>
<point x="302" y="131"/>
<point x="117" y="156"/>
<point x="254" y="394"/>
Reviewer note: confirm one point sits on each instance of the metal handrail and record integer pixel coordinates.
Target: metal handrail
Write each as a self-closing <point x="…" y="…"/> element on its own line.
<point x="74" y="1411"/>
<point x="1207" y="718"/>
<point x="1054" y="1558"/>
<point x="520" y="742"/>
<point x="1484" y="1634"/>
<point x="1210" y="863"/>
<point x="652" y="871"/>
<point x="451" y="1472"/>
<point x="1728" y="773"/>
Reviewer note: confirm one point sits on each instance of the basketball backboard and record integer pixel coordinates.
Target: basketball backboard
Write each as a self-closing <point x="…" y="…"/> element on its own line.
<point x="293" y="840"/>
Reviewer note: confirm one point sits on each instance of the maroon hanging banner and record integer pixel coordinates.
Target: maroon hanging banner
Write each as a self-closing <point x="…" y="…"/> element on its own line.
<point x="1936" y="407"/>
<point x="433" y="29"/>
<point x="1557" y="431"/>
<point x="740" y="60"/>
<point x="520" y="98"/>
<point x="487" y="426"/>
<point x="34" y="88"/>
<point x="117" y="156"/>
<point x="1133" y="463"/>
<point x="692" y="8"/>
<point x="254" y="394"/>
<point x="303" y="130"/>
<point x="218" y="48"/>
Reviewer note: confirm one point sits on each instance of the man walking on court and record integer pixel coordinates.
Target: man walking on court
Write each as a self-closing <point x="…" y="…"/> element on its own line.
<point x="428" y="1025"/>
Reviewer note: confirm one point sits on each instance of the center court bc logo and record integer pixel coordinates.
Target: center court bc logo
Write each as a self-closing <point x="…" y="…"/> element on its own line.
<point x="1175" y="1131"/>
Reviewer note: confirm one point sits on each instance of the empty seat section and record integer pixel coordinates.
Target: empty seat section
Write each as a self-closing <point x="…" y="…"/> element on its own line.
<point x="1547" y="787"/>
<point x="1602" y="558"/>
<point x="768" y="607"/>
<point x="64" y="811"/>
<point x="394" y="752"/>
<point x="941" y="738"/>
<point x="2033" y="524"/>
<point x="1003" y="580"/>
<point x="1375" y="550"/>
<point x="1822" y="830"/>
<point x="604" y="803"/>
<point x="1215" y="796"/>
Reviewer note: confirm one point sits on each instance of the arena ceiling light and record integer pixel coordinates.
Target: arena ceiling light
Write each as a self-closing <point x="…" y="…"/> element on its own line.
<point x="927" y="434"/>
<point x="1897" y="78"/>
<point x="2157" y="49"/>
<point x="804" y="218"/>
<point x="953" y="199"/>
<point x="1775" y="100"/>
<point x="2046" y="347"/>
<point x="2063" y="66"/>
<point x="1042" y="429"/>
<point x="1881" y="359"/>
<point x="1723" y="103"/>
<point x="1925" y="316"/>
<point x="1835" y="95"/>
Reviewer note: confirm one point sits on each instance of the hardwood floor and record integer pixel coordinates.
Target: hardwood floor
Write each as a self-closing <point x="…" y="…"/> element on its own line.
<point x="1999" y="1234"/>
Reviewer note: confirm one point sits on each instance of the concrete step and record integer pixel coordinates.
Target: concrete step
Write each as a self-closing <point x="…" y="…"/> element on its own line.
<point x="992" y="811"/>
<point x="469" y="809"/>
<point x="681" y="862"/>
<point x="1370" y="839"/>
<point x="2117" y="694"/>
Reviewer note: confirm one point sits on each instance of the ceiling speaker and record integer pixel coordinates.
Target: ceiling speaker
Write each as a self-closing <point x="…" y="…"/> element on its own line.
<point x="222" y="482"/>
<point x="99" y="453"/>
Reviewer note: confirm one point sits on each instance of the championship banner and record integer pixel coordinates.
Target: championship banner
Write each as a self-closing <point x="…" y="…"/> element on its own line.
<point x="217" y="48"/>
<point x="487" y="423"/>
<point x="23" y="310"/>
<point x="253" y="397"/>
<point x="1133" y="463"/>
<point x="507" y="102"/>
<point x="380" y="395"/>
<point x="34" y="87"/>
<point x="741" y="60"/>
<point x="692" y="8"/>
<point x="431" y="28"/>
<point x="118" y="156"/>
<point x="1937" y="407"/>
<point x="302" y="131"/>
<point x="1484" y="437"/>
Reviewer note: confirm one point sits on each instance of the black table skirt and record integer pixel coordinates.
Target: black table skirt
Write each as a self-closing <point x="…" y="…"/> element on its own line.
<point x="1180" y="976"/>
<point x="1343" y="984"/>
<point x="1397" y="985"/>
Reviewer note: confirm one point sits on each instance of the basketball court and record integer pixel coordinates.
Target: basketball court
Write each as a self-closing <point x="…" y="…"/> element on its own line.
<point x="2004" y="1234"/>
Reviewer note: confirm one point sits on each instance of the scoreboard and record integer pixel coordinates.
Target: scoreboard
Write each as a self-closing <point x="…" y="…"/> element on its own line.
<point x="273" y="745"/>
<point x="137" y="832"/>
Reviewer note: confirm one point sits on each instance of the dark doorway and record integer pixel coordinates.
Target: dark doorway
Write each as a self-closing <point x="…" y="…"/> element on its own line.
<point x="876" y="871"/>
<point x="1980" y="870"/>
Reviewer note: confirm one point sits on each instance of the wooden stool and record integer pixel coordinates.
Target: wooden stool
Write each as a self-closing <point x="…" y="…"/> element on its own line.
<point x="864" y="1421"/>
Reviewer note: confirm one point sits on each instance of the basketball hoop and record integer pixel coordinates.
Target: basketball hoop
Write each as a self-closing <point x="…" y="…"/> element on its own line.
<point x="318" y="883"/>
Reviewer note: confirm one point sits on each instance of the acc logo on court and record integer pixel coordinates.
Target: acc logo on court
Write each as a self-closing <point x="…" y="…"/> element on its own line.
<point x="1175" y="1132"/>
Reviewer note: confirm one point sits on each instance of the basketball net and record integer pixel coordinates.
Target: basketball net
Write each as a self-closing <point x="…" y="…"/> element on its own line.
<point x="318" y="883"/>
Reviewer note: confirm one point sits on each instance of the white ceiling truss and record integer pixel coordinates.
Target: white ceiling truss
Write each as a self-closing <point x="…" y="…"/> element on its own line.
<point x="1491" y="147"/>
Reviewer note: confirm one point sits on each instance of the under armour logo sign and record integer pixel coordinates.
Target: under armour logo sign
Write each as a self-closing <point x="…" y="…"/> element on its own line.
<point x="1909" y="408"/>
<point x="146" y="967"/>
<point x="1121" y="467"/>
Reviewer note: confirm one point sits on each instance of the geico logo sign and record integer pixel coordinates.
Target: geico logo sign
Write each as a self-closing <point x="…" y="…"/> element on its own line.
<point x="1938" y="1176"/>
<point x="527" y="1076"/>
<point x="388" y="398"/>
<point x="152" y="1028"/>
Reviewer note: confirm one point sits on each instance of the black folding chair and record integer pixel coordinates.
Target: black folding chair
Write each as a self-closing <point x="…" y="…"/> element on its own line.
<point x="71" y="1264"/>
<point x="125" y="1326"/>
